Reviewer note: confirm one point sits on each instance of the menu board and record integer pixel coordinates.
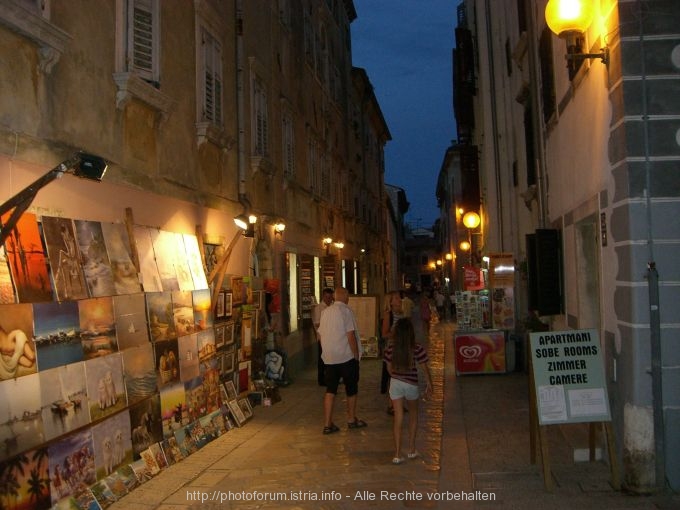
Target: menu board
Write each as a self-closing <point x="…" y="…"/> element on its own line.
<point x="307" y="285"/>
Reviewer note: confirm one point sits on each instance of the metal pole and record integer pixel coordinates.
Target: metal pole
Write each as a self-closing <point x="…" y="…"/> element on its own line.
<point x="653" y="283"/>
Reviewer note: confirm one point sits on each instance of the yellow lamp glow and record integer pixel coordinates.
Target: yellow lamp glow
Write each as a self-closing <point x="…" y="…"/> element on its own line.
<point x="465" y="246"/>
<point x="563" y="16"/>
<point x="449" y="256"/>
<point x="471" y="219"/>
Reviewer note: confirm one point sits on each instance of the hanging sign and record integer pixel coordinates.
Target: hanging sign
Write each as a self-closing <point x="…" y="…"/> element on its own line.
<point x="569" y="377"/>
<point x="474" y="279"/>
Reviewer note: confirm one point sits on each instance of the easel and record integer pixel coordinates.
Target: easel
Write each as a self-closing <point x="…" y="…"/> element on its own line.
<point x="541" y="431"/>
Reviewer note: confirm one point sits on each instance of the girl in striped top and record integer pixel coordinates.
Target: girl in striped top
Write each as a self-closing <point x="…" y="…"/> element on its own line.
<point x="403" y="358"/>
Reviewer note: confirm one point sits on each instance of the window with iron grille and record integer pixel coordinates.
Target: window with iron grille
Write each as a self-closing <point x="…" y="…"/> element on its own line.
<point x="212" y="78"/>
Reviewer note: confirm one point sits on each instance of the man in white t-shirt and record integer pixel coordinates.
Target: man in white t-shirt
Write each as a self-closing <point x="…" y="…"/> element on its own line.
<point x="340" y="353"/>
<point x="326" y="301"/>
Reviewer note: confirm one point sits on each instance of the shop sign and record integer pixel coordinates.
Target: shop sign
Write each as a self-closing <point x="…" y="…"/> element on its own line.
<point x="569" y="377"/>
<point x="474" y="279"/>
<point x="480" y="352"/>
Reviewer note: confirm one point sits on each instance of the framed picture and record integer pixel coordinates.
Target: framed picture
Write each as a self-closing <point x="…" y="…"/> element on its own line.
<point x="247" y="334"/>
<point x="230" y="390"/>
<point x="219" y="306"/>
<point x="236" y="412"/>
<point x="223" y="393"/>
<point x="258" y="299"/>
<point x="228" y="360"/>
<point x="229" y="333"/>
<point x="243" y="375"/>
<point x="228" y="302"/>
<point x="238" y="290"/>
<point x="219" y="335"/>
<point x="256" y="325"/>
<point x="245" y="406"/>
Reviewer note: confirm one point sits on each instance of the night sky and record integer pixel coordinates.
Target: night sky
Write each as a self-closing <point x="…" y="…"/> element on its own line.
<point x="405" y="47"/>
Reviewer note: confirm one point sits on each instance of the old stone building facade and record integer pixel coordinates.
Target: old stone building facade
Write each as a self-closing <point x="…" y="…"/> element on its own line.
<point x="587" y="153"/>
<point x="205" y="110"/>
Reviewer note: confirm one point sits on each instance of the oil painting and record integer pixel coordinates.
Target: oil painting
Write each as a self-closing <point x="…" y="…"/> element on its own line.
<point x="57" y="334"/>
<point x="194" y="259"/>
<point x="173" y="408"/>
<point x="94" y="258"/>
<point x="105" y="386"/>
<point x="164" y="248"/>
<point x="28" y="261"/>
<point x="151" y="279"/>
<point x="112" y="444"/>
<point x="17" y="349"/>
<point x="139" y="374"/>
<point x="117" y="243"/>
<point x="132" y="329"/>
<point x="161" y="316"/>
<point x="71" y="465"/>
<point x="21" y="425"/>
<point x="146" y="424"/>
<point x="63" y="396"/>
<point x="65" y="259"/>
<point x="97" y="327"/>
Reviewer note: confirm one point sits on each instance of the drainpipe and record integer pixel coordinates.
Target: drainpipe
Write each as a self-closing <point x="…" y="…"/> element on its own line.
<point x="494" y="128"/>
<point x="538" y="141"/>
<point x="653" y="283"/>
<point x="240" y="107"/>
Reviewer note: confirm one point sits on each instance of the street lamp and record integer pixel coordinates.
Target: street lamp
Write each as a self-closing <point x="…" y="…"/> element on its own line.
<point x="471" y="220"/>
<point x="569" y="19"/>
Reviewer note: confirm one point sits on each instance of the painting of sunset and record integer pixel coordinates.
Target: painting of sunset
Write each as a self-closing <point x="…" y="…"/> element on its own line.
<point x="27" y="260"/>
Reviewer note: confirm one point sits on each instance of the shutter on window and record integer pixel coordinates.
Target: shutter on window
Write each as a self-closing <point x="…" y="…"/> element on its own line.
<point x="142" y="39"/>
<point x="544" y="271"/>
<point x="212" y="61"/>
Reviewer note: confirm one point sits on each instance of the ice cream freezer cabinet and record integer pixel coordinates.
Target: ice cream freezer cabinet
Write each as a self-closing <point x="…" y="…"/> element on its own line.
<point x="480" y="352"/>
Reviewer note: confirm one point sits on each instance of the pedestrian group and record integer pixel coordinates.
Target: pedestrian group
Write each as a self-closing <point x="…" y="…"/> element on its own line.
<point x="403" y="359"/>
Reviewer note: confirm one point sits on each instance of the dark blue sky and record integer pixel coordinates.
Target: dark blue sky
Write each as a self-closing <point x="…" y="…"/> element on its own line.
<point x="405" y="47"/>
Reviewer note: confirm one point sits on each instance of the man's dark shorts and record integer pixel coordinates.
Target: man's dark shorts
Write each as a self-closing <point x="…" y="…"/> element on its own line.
<point x="348" y="371"/>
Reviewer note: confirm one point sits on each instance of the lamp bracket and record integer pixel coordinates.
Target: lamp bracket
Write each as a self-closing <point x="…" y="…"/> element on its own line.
<point x="603" y="56"/>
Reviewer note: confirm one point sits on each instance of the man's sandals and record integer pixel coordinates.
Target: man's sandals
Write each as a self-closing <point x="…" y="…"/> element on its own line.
<point x="331" y="429"/>
<point x="357" y="424"/>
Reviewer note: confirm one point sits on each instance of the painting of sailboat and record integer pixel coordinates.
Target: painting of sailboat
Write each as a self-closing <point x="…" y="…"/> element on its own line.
<point x="21" y="424"/>
<point x="131" y="325"/>
<point x="63" y="395"/>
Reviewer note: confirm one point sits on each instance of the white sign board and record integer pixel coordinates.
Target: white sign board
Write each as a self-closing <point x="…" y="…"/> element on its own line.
<point x="569" y="377"/>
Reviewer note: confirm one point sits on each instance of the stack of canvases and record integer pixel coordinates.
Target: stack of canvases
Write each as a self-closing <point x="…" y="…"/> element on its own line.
<point x="103" y="381"/>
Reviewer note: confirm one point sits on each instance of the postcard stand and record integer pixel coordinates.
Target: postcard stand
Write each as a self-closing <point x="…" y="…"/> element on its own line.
<point x="540" y="433"/>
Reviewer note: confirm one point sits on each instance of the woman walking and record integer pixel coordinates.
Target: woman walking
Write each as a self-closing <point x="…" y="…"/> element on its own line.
<point x="403" y="358"/>
<point x="393" y="312"/>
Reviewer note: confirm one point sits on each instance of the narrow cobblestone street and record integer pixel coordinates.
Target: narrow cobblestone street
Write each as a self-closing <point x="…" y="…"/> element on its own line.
<point x="473" y="439"/>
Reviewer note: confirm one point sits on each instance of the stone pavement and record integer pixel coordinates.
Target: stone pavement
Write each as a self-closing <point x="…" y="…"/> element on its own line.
<point x="473" y="439"/>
